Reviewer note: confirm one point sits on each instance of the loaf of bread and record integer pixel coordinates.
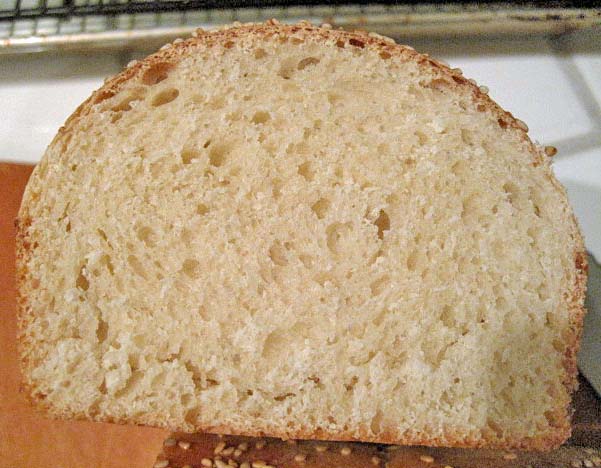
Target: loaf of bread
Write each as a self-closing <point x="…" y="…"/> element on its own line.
<point x="210" y="451"/>
<point x="303" y="233"/>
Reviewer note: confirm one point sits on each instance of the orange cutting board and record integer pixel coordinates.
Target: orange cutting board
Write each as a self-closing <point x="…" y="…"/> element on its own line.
<point x="27" y="439"/>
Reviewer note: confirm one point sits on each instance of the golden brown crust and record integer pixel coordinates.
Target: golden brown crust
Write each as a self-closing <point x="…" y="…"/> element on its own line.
<point x="180" y="450"/>
<point x="224" y="39"/>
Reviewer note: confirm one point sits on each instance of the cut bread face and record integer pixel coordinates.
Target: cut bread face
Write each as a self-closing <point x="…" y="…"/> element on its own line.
<point x="304" y="233"/>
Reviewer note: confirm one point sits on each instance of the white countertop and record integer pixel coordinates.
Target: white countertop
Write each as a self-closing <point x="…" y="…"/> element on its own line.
<point x="553" y="84"/>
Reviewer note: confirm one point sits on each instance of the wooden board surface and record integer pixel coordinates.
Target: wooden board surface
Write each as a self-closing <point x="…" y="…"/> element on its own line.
<point x="27" y="439"/>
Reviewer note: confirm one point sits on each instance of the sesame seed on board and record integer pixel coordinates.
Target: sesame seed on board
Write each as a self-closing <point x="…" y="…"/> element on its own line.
<point x="509" y="456"/>
<point x="375" y="461"/>
<point x="206" y="462"/>
<point x="161" y="464"/>
<point x="550" y="151"/>
<point x="426" y="458"/>
<point x="221" y="464"/>
<point x="345" y="451"/>
<point x="183" y="444"/>
<point x="321" y="448"/>
<point x="169" y="442"/>
<point x="243" y="446"/>
<point x="300" y="457"/>
<point x="260" y="444"/>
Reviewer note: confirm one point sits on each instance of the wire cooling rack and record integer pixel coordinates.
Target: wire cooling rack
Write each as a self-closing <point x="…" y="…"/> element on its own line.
<point x="35" y="25"/>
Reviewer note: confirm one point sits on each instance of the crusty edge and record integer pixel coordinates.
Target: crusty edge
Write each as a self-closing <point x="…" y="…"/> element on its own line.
<point x="226" y="37"/>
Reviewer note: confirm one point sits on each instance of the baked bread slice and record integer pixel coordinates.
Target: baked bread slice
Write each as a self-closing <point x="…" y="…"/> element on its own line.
<point x="207" y="450"/>
<point x="303" y="233"/>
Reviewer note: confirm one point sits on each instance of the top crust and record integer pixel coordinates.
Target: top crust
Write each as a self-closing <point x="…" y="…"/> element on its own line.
<point x="170" y="55"/>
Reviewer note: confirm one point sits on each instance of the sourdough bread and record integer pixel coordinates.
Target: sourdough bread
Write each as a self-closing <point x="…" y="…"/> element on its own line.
<point x="304" y="233"/>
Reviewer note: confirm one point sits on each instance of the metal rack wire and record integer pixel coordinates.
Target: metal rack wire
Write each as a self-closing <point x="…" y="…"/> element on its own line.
<point x="37" y="25"/>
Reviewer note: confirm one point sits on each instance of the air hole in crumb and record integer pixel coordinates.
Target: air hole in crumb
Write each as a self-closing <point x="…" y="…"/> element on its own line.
<point x="189" y="154"/>
<point x="146" y="235"/>
<point x="124" y="104"/>
<point x="260" y="53"/>
<point x="337" y="235"/>
<point x="276" y="188"/>
<point x="191" y="267"/>
<point x="306" y="62"/>
<point x="512" y="191"/>
<point x="307" y="260"/>
<point x="351" y="385"/>
<point x="283" y="396"/>
<point x="412" y="260"/>
<point x="422" y="138"/>
<point x="82" y="282"/>
<point x="164" y="97"/>
<point x="287" y="68"/>
<point x="156" y="73"/>
<point x="334" y="98"/>
<point x="260" y="117"/>
<point x="383" y="223"/>
<point x="277" y="253"/>
<point x="378" y="286"/>
<point x="466" y="136"/>
<point x="376" y="423"/>
<point x="217" y="154"/>
<point x="136" y="266"/>
<point x="192" y="416"/>
<point x="202" y="209"/>
<point x="320" y="207"/>
<point x="446" y="316"/>
<point x="306" y="171"/>
<point x="102" y="330"/>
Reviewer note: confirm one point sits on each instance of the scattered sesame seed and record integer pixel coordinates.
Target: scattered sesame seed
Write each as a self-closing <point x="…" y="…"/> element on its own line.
<point x="178" y="40"/>
<point x="221" y="464"/>
<point x="194" y="34"/>
<point x="509" y="456"/>
<point x="184" y="444"/>
<point x="228" y="451"/>
<point x="521" y="124"/>
<point x="426" y="458"/>
<point x="161" y="464"/>
<point x="165" y="47"/>
<point x="169" y="442"/>
<point x="220" y="447"/>
<point x="550" y="151"/>
<point x="345" y="451"/>
<point x="300" y="457"/>
<point x="243" y="446"/>
<point x="375" y="461"/>
<point x="232" y="463"/>
<point x="596" y="461"/>
<point x="458" y="71"/>
<point x="589" y="450"/>
<point x="260" y="444"/>
<point x="236" y="24"/>
<point x="291" y="442"/>
<point x="576" y="463"/>
<point x="259" y="464"/>
<point x="321" y="448"/>
<point x="220" y="436"/>
<point x="245" y="465"/>
<point x="237" y="452"/>
<point x="273" y="21"/>
<point x="588" y="464"/>
<point x="131" y="63"/>
<point x="206" y="462"/>
<point x="484" y="89"/>
<point x="472" y="81"/>
<point x="326" y="26"/>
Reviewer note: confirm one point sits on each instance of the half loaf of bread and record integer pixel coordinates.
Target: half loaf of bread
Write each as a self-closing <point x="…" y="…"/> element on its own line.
<point x="303" y="233"/>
